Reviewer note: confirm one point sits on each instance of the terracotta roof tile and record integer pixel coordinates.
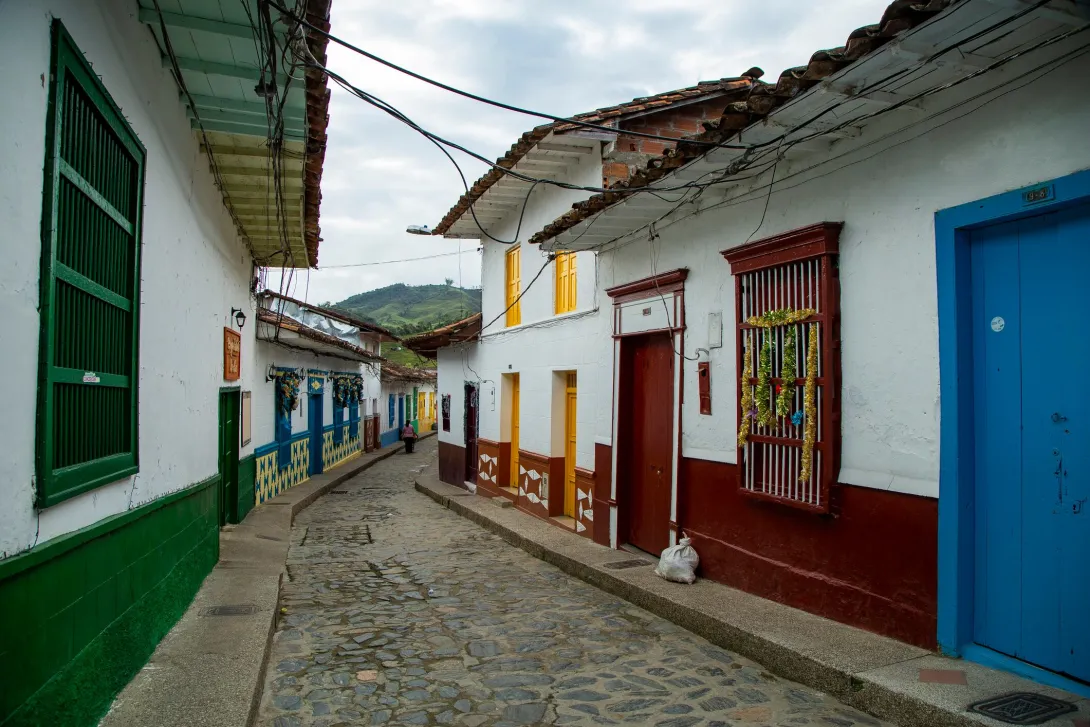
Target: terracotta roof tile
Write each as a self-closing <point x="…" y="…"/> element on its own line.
<point x="317" y="14"/>
<point x="603" y="115"/>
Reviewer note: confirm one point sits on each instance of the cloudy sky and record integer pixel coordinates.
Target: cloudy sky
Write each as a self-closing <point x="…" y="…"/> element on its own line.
<point x="563" y="57"/>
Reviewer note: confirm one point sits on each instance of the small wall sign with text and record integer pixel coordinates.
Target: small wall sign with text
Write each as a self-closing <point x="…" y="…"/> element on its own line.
<point x="90" y="377"/>
<point x="232" y="355"/>
<point x="1038" y="195"/>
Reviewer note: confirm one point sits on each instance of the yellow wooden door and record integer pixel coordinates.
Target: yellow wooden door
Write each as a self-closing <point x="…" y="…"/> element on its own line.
<point x="514" y="430"/>
<point x="569" y="446"/>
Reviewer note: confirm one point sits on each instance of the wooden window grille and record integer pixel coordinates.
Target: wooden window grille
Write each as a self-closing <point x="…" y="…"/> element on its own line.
<point x="90" y="284"/>
<point x="565" y="282"/>
<point x="795" y="271"/>
<point x="513" y="275"/>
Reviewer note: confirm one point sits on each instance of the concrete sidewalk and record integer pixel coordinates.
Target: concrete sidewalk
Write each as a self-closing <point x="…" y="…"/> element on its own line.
<point x="891" y="680"/>
<point x="208" y="671"/>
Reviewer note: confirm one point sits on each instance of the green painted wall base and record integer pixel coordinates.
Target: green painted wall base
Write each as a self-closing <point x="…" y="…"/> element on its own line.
<point x="81" y="614"/>
<point x="247" y="472"/>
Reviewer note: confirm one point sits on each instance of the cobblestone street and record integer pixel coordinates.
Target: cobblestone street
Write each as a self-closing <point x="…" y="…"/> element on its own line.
<point x="397" y="611"/>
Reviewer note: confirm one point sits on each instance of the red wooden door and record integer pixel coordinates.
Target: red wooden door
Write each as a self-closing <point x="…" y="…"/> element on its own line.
<point x="647" y="433"/>
<point x="471" y="433"/>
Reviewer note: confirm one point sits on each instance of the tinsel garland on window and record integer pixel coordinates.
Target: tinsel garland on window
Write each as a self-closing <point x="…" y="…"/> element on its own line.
<point x="287" y="390"/>
<point x="780" y="317"/>
<point x="746" y="422"/>
<point x="785" y="397"/>
<point x="347" y="389"/>
<point x="766" y="417"/>
<point x="809" y="397"/>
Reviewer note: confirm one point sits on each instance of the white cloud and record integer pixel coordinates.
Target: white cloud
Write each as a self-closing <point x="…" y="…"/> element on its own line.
<point x="562" y="57"/>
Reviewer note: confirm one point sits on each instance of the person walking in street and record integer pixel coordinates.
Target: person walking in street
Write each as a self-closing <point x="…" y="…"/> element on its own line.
<point x="408" y="435"/>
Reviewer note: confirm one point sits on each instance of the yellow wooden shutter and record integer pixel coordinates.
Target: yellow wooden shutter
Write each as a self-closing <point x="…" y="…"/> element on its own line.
<point x="565" y="282"/>
<point x="514" y="282"/>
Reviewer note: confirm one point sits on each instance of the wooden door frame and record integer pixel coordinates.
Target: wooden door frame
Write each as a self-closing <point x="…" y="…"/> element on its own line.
<point x="957" y="442"/>
<point x="228" y="509"/>
<point x="471" y="456"/>
<point x="570" y="465"/>
<point x="666" y="289"/>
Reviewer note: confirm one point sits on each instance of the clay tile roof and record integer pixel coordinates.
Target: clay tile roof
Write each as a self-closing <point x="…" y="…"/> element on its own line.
<point x="396" y="372"/>
<point x="317" y="14"/>
<point x="428" y="343"/>
<point x="287" y="324"/>
<point x="761" y="100"/>
<point x="384" y="333"/>
<point x="604" y="115"/>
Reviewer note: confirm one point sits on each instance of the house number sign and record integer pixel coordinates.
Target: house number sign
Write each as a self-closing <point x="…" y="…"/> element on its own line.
<point x="998" y="324"/>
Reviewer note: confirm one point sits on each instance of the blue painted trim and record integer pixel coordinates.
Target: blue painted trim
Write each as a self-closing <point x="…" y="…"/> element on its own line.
<point x="995" y="660"/>
<point x="271" y="446"/>
<point x="265" y="449"/>
<point x="956" y="477"/>
<point x="389" y="437"/>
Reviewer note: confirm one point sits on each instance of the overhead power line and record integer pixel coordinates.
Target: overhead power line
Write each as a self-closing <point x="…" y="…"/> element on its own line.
<point x="404" y="260"/>
<point x="483" y="99"/>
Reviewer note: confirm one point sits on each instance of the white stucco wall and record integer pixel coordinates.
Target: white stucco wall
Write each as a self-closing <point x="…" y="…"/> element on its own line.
<point x="886" y="194"/>
<point x="887" y="200"/>
<point x="264" y="397"/>
<point x="543" y="343"/>
<point x="194" y="270"/>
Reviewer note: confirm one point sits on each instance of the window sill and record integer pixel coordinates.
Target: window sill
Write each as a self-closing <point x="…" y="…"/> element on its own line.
<point x="541" y="321"/>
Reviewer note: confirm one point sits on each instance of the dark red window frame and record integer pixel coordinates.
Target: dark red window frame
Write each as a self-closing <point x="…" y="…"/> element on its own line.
<point x="778" y="272"/>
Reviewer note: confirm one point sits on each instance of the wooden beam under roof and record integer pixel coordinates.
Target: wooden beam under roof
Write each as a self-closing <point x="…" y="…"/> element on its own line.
<point x="262" y="172"/>
<point x="238" y="151"/>
<point x="150" y="16"/>
<point x="228" y="70"/>
<point x="239" y="117"/>
<point x="565" y="148"/>
<point x="246" y="129"/>
<point x="204" y="101"/>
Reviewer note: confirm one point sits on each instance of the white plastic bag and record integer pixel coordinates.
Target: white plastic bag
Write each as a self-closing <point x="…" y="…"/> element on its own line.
<point x="678" y="562"/>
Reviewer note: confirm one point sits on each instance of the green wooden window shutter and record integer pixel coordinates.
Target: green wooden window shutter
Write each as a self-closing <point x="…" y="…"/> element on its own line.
<point x="90" y="284"/>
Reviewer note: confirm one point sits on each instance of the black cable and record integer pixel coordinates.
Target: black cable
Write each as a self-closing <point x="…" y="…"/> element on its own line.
<point x="482" y="99"/>
<point x="379" y="103"/>
<point x="405" y="260"/>
<point x="751" y="195"/>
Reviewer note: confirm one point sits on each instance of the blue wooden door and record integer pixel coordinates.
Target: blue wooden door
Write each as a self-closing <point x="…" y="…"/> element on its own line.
<point x="1032" y="433"/>
<point x="400" y="414"/>
<point x="316" y="413"/>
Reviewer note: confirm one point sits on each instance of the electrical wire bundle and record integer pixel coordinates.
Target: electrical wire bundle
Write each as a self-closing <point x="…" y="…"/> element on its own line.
<point x="757" y="157"/>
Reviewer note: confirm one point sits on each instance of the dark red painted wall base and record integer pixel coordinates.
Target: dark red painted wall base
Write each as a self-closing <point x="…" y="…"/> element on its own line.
<point x="873" y="566"/>
<point x="452" y="464"/>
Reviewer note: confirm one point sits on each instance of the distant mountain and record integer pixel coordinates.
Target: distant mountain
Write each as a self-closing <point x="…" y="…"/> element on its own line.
<point x="409" y="309"/>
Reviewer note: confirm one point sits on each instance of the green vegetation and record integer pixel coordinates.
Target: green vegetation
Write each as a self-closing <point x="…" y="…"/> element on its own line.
<point x="409" y="309"/>
<point x="400" y="355"/>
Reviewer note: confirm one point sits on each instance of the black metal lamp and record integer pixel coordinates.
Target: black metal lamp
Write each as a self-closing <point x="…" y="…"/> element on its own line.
<point x="240" y="317"/>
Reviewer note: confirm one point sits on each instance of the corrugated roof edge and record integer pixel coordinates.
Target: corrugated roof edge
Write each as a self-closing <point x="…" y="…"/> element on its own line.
<point x="764" y="98"/>
<point x="287" y="324"/>
<point x="336" y="314"/>
<point x="317" y="14"/>
<point x="526" y="142"/>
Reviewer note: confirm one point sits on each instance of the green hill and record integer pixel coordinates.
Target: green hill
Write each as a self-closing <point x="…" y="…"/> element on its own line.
<point x="409" y="309"/>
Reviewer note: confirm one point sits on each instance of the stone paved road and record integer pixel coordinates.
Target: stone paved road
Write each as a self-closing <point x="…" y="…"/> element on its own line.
<point x="396" y="611"/>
